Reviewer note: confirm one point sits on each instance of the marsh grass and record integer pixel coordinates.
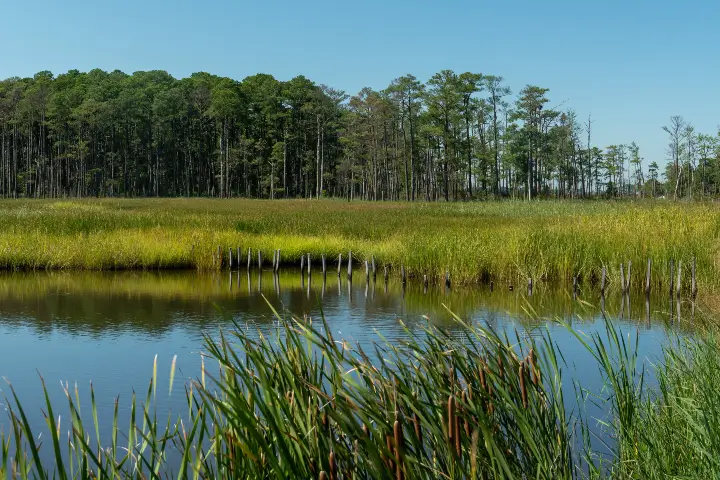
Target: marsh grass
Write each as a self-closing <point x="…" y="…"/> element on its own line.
<point x="475" y="241"/>
<point x="671" y="431"/>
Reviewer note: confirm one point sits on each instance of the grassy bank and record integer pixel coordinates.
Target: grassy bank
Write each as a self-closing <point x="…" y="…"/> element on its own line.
<point x="503" y="241"/>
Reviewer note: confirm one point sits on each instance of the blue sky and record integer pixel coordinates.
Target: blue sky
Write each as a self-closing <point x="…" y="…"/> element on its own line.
<point x="630" y="64"/>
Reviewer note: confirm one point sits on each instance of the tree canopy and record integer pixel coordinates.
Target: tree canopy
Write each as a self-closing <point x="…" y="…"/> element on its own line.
<point x="454" y="137"/>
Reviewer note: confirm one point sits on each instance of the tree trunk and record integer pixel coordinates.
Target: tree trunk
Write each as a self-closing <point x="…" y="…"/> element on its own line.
<point x="317" y="161"/>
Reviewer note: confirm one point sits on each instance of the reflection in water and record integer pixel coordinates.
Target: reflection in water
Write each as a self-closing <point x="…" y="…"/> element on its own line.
<point x="154" y="302"/>
<point x="173" y="310"/>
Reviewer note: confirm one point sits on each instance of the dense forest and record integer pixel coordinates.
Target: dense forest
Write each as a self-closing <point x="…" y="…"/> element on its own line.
<point x="454" y="137"/>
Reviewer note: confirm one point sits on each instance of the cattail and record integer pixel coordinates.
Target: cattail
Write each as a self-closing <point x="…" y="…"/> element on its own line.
<point x="482" y="378"/>
<point x="333" y="466"/>
<point x="323" y="475"/>
<point x="450" y="372"/>
<point x="456" y="431"/>
<point x="399" y="447"/>
<point x="366" y="431"/>
<point x="501" y="366"/>
<point x="313" y="469"/>
<point x="523" y="391"/>
<point x="325" y="421"/>
<point x="389" y="445"/>
<point x="418" y="430"/>
<point x="534" y="371"/>
<point x="451" y="418"/>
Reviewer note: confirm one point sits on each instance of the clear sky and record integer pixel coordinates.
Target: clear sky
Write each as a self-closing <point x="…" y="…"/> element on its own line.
<point x="630" y="64"/>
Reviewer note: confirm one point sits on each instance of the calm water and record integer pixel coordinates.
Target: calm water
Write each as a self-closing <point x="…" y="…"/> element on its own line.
<point x="108" y="327"/>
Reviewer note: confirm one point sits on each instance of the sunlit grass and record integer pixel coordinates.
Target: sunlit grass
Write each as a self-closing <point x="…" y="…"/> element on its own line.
<point x="474" y="241"/>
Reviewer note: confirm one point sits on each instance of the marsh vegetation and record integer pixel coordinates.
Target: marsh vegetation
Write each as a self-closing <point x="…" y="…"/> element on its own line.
<point x="474" y="241"/>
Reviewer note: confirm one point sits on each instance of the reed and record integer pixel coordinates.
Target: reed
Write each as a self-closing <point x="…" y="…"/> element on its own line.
<point x="671" y="430"/>
<point x="301" y="403"/>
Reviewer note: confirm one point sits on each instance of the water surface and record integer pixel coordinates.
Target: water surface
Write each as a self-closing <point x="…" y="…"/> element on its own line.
<point x="107" y="328"/>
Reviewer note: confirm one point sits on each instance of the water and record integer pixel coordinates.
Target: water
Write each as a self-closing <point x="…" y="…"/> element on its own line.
<point x="107" y="328"/>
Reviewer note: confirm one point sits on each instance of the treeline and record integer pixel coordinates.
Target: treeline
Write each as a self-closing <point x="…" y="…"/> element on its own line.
<point x="457" y="136"/>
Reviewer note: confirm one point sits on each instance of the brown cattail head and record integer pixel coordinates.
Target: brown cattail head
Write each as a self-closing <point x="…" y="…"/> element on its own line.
<point x="323" y="476"/>
<point x="451" y="418"/>
<point x="534" y="370"/>
<point x="333" y="466"/>
<point x="325" y="420"/>
<point x="458" y="446"/>
<point x="399" y="449"/>
<point x="389" y="445"/>
<point x="523" y="391"/>
<point x="483" y="383"/>
<point x="366" y="431"/>
<point x="501" y="366"/>
<point x="398" y="433"/>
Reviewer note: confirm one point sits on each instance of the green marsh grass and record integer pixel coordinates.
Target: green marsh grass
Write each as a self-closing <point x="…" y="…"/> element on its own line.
<point x="475" y="241"/>
<point x="672" y="431"/>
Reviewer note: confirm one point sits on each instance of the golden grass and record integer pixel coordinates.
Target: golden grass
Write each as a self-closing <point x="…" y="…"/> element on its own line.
<point x="504" y="241"/>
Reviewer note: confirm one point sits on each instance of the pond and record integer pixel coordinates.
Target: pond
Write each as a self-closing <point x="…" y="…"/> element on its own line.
<point x="75" y="328"/>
